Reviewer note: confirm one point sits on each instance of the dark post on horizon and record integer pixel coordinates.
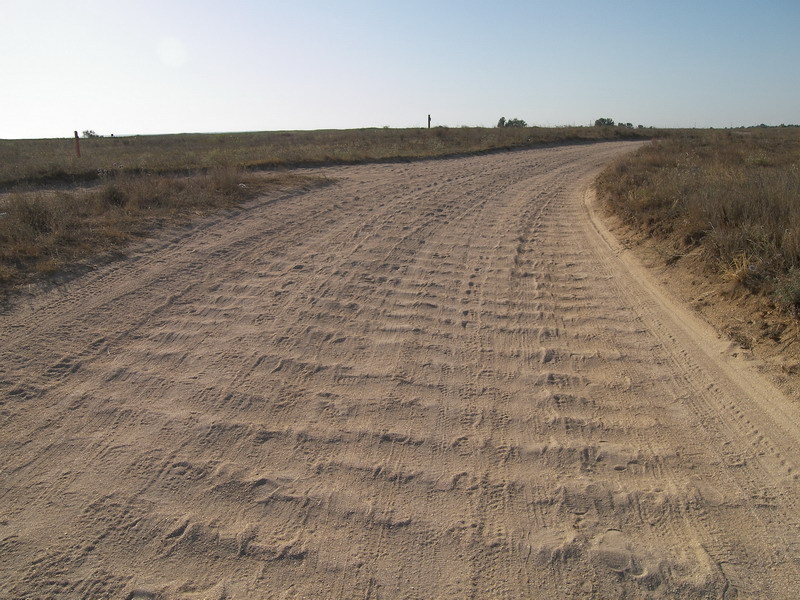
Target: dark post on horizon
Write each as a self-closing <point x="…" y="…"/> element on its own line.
<point x="429" y="121"/>
<point x="77" y="145"/>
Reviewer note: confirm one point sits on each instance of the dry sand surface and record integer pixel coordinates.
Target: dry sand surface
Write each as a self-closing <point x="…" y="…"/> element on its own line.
<point x="428" y="380"/>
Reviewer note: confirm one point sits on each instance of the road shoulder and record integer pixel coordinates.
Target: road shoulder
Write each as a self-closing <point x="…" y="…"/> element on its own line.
<point x="744" y="330"/>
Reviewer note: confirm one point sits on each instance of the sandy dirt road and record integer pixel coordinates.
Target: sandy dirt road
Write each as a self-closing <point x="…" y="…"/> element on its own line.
<point x="428" y="380"/>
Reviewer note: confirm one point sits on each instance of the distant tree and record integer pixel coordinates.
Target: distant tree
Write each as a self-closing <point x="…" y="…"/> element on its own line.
<point x="511" y="123"/>
<point x="604" y="121"/>
<point x="89" y="133"/>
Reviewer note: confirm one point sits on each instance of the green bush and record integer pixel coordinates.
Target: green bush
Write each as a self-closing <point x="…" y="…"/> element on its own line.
<point x="511" y="123"/>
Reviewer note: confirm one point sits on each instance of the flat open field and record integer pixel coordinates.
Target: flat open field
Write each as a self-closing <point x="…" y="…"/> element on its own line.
<point x="440" y="379"/>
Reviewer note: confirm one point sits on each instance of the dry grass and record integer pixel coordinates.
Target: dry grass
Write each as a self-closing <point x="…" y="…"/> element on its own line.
<point x="44" y="232"/>
<point x="733" y="194"/>
<point x="35" y="162"/>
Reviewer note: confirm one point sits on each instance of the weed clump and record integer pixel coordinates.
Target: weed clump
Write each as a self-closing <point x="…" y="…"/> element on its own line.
<point x="787" y="290"/>
<point x="114" y="195"/>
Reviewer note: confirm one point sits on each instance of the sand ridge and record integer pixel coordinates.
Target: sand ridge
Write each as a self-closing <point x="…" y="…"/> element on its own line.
<point x="428" y="380"/>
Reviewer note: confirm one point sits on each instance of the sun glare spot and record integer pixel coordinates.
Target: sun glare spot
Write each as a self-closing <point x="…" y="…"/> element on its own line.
<point x="172" y="52"/>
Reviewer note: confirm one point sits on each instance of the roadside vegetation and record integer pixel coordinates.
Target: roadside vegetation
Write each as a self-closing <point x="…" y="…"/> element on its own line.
<point x="53" y="161"/>
<point x="47" y="232"/>
<point x="730" y="196"/>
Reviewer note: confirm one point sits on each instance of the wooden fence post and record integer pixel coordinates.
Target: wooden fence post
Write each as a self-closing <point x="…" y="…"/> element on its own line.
<point x="77" y="145"/>
<point x="429" y="121"/>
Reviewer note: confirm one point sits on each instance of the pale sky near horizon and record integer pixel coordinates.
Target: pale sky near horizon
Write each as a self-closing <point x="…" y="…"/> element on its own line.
<point x="149" y="67"/>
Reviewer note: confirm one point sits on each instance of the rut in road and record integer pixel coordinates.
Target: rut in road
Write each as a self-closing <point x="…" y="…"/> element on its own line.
<point x="427" y="380"/>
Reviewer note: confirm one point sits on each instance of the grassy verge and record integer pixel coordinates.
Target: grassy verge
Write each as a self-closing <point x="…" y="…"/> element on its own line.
<point x="44" y="232"/>
<point x="37" y="162"/>
<point x="733" y="195"/>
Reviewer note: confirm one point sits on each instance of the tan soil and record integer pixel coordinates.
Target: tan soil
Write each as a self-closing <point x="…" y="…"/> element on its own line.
<point x="431" y="380"/>
<point x="757" y="331"/>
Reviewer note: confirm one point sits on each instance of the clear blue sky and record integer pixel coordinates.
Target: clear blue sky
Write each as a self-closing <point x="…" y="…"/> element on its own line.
<point x="138" y="67"/>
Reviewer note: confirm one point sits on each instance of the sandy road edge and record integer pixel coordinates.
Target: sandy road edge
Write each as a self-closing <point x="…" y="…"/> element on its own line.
<point x="676" y="321"/>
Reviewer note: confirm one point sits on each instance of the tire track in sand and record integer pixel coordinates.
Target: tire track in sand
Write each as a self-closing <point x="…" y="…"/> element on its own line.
<point x="429" y="380"/>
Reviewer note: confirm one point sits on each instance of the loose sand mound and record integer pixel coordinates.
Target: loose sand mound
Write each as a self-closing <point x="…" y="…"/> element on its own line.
<point x="430" y="380"/>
